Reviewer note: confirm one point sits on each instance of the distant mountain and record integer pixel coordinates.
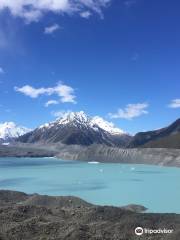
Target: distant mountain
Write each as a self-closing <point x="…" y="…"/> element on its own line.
<point x="78" y="128"/>
<point x="9" y="131"/>
<point x="168" y="137"/>
<point x="172" y="141"/>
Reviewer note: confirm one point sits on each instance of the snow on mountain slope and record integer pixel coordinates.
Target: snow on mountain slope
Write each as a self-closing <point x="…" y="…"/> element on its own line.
<point x="9" y="130"/>
<point x="75" y="118"/>
<point x="81" y="119"/>
<point x="105" y="125"/>
<point x="79" y="129"/>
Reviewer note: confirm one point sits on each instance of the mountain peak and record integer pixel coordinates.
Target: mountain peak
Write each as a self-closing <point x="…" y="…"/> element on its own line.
<point x="73" y="116"/>
<point x="7" y="124"/>
<point x="9" y="130"/>
<point x="80" y="129"/>
<point x="81" y="118"/>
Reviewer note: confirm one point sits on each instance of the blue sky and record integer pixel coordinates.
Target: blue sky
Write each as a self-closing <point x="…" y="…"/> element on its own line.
<point x="119" y="59"/>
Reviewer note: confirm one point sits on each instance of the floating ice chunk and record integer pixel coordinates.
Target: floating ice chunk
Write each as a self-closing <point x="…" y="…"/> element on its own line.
<point x="93" y="162"/>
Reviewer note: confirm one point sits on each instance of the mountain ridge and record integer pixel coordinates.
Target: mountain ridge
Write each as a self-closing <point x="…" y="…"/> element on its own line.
<point x="78" y="128"/>
<point x="10" y="131"/>
<point x="158" y="138"/>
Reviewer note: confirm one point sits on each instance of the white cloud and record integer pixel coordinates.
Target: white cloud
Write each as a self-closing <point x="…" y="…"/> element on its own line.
<point x="60" y="114"/>
<point x="31" y="92"/>
<point x="85" y="14"/>
<point x="51" y="29"/>
<point x="65" y="92"/>
<point x="1" y="70"/>
<point x="33" y="10"/>
<point x="131" y="111"/>
<point x="175" y="103"/>
<point x="51" y="102"/>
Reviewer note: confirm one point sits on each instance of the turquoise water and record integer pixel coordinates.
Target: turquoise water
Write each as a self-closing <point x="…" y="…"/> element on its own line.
<point x="155" y="187"/>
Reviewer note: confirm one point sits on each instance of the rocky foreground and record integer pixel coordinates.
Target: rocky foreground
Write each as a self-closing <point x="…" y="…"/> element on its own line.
<point x="35" y="217"/>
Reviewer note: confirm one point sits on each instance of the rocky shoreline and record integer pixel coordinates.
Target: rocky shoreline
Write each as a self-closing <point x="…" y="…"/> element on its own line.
<point x="35" y="217"/>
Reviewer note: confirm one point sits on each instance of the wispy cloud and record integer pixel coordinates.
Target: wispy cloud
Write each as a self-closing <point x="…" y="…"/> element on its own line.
<point x="10" y="39"/>
<point x="1" y="70"/>
<point x="65" y="92"/>
<point x="175" y="103"/>
<point x="131" y="111"/>
<point x="85" y="14"/>
<point x="129" y="3"/>
<point x="51" y="29"/>
<point x="32" y="10"/>
<point x="60" y="114"/>
<point x="51" y="102"/>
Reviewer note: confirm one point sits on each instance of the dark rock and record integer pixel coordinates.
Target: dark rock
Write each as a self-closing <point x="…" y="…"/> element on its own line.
<point x="168" y="137"/>
<point x="35" y="217"/>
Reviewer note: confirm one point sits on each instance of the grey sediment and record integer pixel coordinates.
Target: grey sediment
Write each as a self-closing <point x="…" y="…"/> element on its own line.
<point x="100" y="153"/>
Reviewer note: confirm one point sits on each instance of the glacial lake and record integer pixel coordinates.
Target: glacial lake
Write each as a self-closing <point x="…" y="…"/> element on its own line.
<point x="155" y="187"/>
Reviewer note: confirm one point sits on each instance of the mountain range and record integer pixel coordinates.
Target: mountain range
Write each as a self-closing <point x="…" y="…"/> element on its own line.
<point x="168" y="137"/>
<point x="77" y="128"/>
<point x="9" y="131"/>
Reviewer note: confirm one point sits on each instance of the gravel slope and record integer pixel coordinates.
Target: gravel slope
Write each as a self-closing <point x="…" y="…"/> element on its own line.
<point x="35" y="217"/>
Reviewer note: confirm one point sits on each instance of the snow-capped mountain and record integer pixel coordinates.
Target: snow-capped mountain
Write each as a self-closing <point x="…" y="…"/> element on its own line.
<point x="9" y="131"/>
<point x="105" y="125"/>
<point x="80" y="118"/>
<point x="78" y="128"/>
<point x="75" y="118"/>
